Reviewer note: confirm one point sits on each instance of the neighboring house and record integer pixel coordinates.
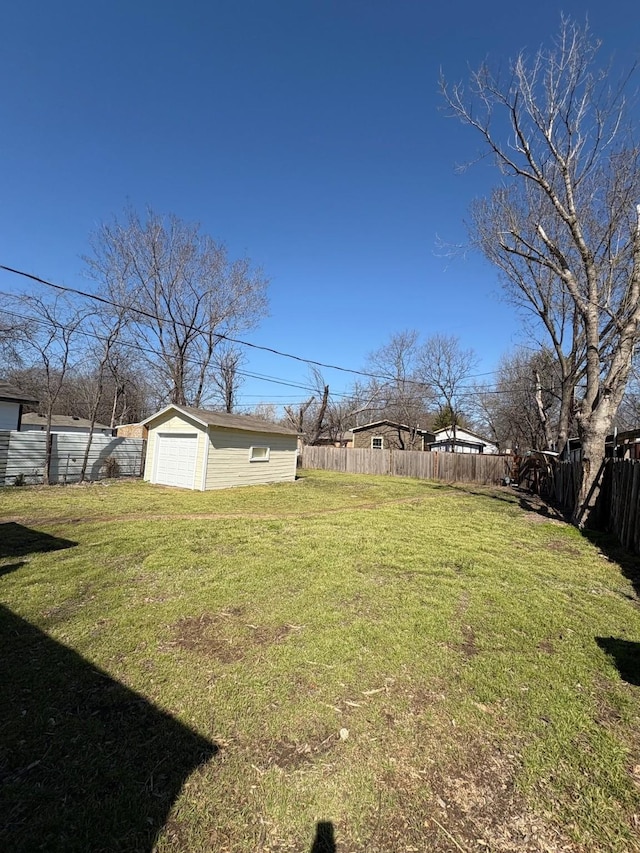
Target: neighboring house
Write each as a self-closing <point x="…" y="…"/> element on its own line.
<point x="11" y="402"/>
<point x="343" y="439"/>
<point x="199" y="449"/>
<point x="62" y="423"/>
<point x="132" y="431"/>
<point x="388" y="435"/>
<point x="465" y="441"/>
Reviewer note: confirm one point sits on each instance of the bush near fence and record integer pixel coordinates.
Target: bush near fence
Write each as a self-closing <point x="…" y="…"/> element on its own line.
<point x="23" y="456"/>
<point x="487" y="469"/>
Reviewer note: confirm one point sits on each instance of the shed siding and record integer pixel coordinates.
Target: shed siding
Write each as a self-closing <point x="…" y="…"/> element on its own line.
<point x="173" y="423"/>
<point x="229" y="463"/>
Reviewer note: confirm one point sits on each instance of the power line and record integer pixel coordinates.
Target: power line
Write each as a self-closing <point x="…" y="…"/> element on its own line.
<point x="150" y="315"/>
<point x="149" y="349"/>
<point x="464" y="392"/>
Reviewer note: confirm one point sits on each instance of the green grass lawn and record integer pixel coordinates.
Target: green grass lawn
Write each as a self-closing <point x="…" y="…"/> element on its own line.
<point x="427" y="668"/>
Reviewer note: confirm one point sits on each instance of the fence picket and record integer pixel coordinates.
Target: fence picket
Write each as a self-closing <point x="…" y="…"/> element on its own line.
<point x="450" y="467"/>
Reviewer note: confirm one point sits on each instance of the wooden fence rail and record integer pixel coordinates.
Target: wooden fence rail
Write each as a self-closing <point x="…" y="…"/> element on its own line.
<point x="488" y="469"/>
<point x="618" y="505"/>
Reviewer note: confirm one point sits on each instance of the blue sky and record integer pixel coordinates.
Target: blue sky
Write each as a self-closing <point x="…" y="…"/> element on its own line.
<point x="306" y="135"/>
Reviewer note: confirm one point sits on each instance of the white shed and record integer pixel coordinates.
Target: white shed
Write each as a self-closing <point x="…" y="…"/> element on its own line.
<point x="199" y="449"/>
<point x="11" y="400"/>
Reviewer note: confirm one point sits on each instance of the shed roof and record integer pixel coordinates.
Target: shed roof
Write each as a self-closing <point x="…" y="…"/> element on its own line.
<point x="223" y="419"/>
<point x="13" y="394"/>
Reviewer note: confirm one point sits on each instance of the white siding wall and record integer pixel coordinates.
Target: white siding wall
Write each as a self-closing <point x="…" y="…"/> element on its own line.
<point x="229" y="463"/>
<point x="173" y="423"/>
<point x="9" y="414"/>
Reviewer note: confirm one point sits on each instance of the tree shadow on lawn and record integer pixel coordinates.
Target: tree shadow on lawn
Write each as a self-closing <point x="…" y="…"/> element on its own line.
<point x="609" y="546"/>
<point x="625" y="655"/>
<point x="16" y="540"/>
<point x="86" y="764"/>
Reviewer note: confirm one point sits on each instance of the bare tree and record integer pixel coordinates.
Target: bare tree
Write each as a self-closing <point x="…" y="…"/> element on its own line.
<point x="446" y="367"/>
<point x="522" y="407"/>
<point x="105" y="329"/>
<point x="266" y="412"/>
<point x="227" y="360"/>
<point x="401" y="394"/>
<point x="182" y="293"/>
<point x="564" y="227"/>
<point x="48" y="342"/>
<point x="13" y="328"/>
<point x="309" y="417"/>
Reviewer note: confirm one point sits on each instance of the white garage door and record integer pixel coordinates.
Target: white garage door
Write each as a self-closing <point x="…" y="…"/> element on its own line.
<point x="176" y="459"/>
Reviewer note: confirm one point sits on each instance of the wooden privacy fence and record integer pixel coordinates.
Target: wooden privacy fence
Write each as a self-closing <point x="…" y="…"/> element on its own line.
<point x="487" y="469"/>
<point x="618" y="504"/>
<point x="24" y="453"/>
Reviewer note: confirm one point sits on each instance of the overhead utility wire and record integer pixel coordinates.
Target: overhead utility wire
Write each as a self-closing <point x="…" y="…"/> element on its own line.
<point x="466" y="392"/>
<point x="151" y="316"/>
<point x="149" y="349"/>
<point x="262" y="348"/>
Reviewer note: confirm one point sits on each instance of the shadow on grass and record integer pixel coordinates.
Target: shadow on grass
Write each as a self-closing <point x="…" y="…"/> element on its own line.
<point x="85" y="763"/>
<point x="16" y="540"/>
<point x="530" y="502"/>
<point x="625" y="655"/>
<point x="10" y="567"/>
<point x="324" y="842"/>
<point x="609" y="546"/>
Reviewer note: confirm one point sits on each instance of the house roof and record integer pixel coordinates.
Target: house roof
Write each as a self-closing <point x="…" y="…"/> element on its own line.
<point x="222" y="419"/>
<point x="391" y="424"/>
<point x="15" y="395"/>
<point x="61" y="421"/>
<point x="448" y="433"/>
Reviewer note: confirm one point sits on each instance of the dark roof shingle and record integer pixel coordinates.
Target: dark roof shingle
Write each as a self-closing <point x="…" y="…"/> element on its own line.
<point x="10" y="392"/>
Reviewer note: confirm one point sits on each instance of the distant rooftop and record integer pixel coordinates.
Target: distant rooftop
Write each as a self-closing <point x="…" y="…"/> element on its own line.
<point x="13" y="394"/>
<point x="61" y="421"/>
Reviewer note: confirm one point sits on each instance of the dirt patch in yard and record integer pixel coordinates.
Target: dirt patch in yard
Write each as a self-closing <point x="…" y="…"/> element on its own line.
<point x="563" y="548"/>
<point x="207" y="634"/>
<point x="225" y="636"/>
<point x="295" y="756"/>
<point x="468" y="646"/>
<point x="267" y="635"/>
<point x="468" y="805"/>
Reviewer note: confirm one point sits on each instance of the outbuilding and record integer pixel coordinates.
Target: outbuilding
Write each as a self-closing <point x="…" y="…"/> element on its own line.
<point x="199" y="449"/>
<point x="11" y="402"/>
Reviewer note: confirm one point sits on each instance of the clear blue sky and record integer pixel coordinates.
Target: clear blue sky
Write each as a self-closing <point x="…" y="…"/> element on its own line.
<point x="307" y="135"/>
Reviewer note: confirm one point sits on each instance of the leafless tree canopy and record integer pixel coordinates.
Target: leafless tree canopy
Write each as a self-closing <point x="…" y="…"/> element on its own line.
<point x="563" y="224"/>
<point x="447" y="368"/>
<point x="182" y="293"/>
<point x="521" y="409"/>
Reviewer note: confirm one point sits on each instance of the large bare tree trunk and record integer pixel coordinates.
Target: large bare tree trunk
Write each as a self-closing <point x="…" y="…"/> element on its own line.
<point x="591" y="469"/>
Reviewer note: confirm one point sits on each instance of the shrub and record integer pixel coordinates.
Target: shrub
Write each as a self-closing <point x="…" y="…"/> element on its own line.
<point x="111" y="467"/>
